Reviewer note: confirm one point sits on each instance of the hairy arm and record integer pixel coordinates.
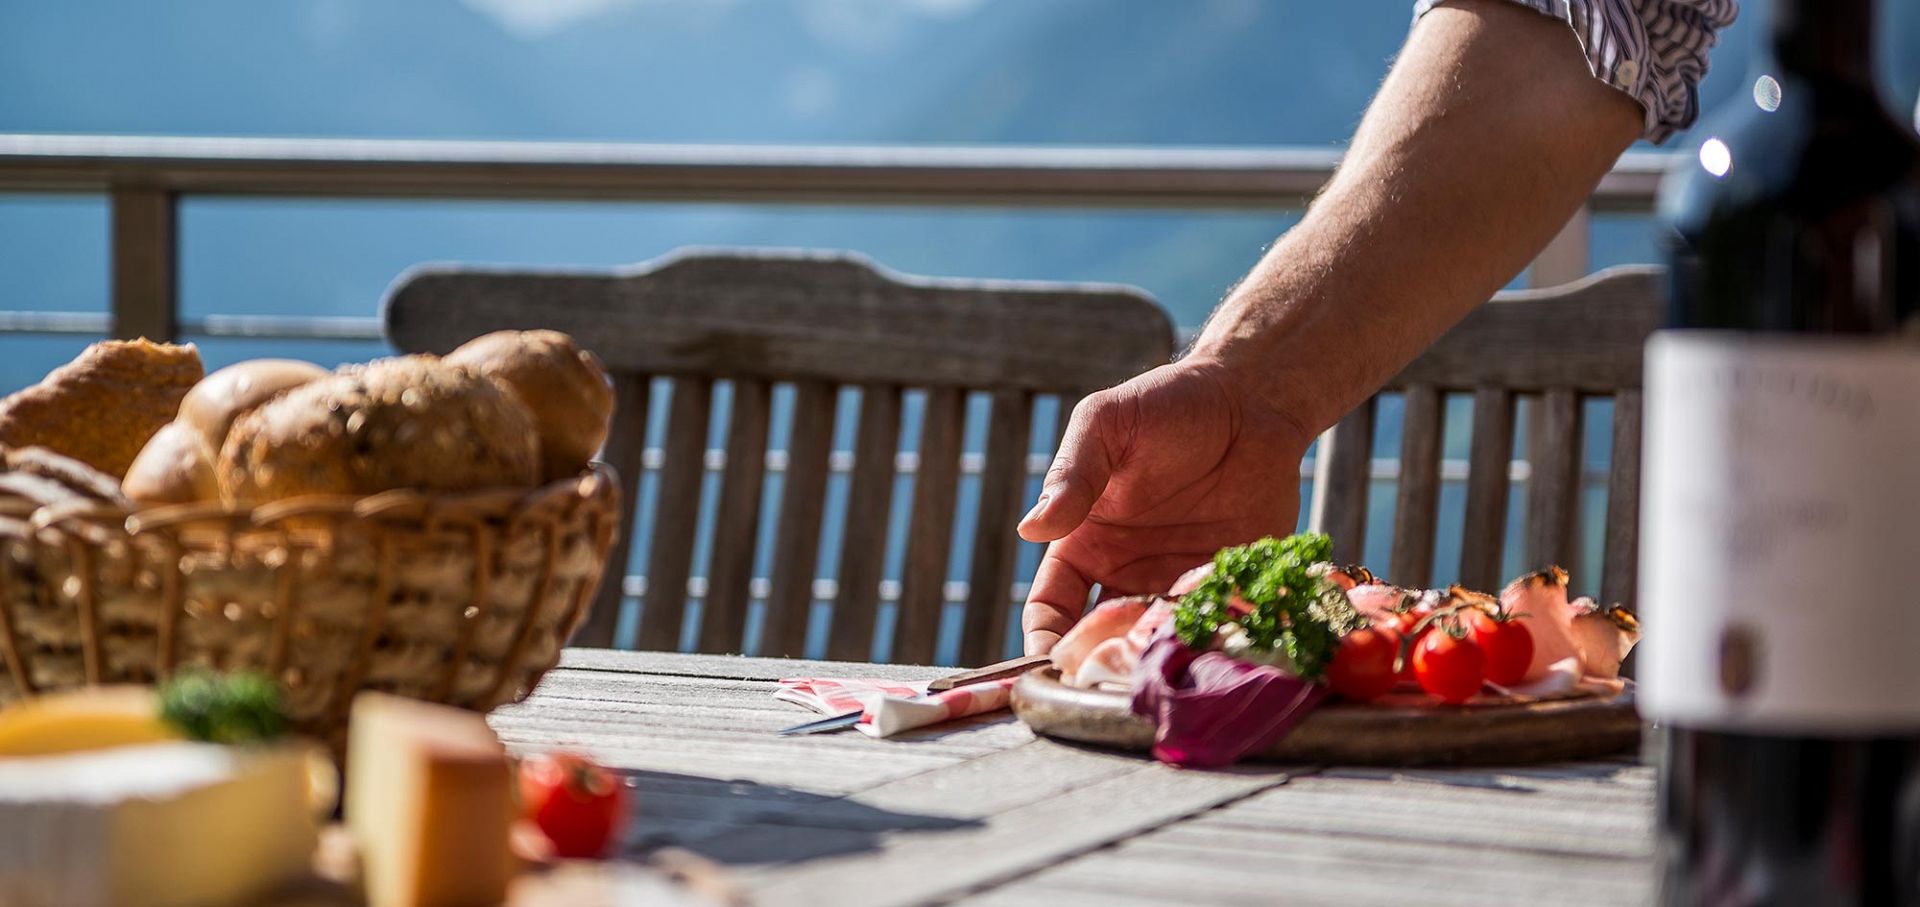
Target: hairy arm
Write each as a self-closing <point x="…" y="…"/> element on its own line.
<point x="1487" y="134"/>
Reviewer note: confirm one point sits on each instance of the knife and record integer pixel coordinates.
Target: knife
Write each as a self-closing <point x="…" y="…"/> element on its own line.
<point x="834" y="723"/>
<point x="1010" y="668"/>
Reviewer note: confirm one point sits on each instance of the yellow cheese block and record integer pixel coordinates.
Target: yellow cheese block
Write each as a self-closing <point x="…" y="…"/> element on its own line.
<point x="162" y="825"/>
<point x="429" y="803"/>
<point x="83" y="719"/>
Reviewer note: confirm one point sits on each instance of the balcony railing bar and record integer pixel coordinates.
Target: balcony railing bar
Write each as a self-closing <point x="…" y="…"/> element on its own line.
<point x="145" y="178"/>
<point x="1232" y="178"/>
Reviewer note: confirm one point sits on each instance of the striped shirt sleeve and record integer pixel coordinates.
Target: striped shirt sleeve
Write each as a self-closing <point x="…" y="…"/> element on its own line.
<point x="1654" y="50"/>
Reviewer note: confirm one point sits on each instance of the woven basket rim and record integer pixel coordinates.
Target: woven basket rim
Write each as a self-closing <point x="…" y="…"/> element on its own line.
<point x="77" y="551"/>
<point x="398" y="505"/>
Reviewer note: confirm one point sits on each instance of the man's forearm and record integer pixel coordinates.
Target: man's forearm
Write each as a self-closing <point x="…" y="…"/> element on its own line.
<point x="1486" y="136"/>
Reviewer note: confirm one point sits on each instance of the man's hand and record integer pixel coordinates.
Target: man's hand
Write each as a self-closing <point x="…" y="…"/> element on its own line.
<point x="1152" y="477"/>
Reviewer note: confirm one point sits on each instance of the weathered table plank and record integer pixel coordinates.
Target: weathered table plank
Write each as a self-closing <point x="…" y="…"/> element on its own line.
<point x="984" y="813"/>
<point x="1564" y="834"/>
<point x="1003" y="845"/>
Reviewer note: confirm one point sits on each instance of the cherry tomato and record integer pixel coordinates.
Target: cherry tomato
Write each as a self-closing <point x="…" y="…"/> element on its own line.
<point x="1403" y="624"/>
<point x="1452" y="669"/>
<point x="578" y="805"/>
<point x="1508" y="645"/>
<point x="1362" y="667"/>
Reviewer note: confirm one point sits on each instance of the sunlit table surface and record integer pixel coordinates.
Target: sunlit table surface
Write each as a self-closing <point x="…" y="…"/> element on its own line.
<point x="984" y="812"/>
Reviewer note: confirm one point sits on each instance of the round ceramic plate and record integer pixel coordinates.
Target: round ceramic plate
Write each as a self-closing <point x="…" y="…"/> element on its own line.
<point x="1478" y="733"/>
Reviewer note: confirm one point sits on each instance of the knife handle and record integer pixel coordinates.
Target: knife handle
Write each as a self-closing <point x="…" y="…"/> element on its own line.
<point x="1010" y="668"/>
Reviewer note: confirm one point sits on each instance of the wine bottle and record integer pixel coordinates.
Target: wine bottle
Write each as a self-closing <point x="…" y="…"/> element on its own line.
<point x="1780" y="531"/>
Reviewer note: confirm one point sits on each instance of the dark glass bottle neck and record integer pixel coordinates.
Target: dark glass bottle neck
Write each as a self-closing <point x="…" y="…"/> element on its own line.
<point x="1825" y="40"/>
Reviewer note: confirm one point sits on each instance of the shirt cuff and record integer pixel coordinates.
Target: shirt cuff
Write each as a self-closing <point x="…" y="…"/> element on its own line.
<point x="1655" y="51"/>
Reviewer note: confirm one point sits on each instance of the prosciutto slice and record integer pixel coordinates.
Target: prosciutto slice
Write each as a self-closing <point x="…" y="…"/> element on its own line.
<point x="1579" y="637"/>
<point x="1604" y="634"/>
<point x="1109" y="620"/>
<point x="1111" y="661"/>
<point x="1377" y="600"/>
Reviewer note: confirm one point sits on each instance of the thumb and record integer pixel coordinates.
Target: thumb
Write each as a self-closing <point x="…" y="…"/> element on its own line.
<point x="1076" y="479"/>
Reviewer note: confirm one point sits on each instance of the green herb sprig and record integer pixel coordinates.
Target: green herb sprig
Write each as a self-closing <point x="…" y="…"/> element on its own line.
<point x="1296" y="610"/>
<point x="232" y="709"/>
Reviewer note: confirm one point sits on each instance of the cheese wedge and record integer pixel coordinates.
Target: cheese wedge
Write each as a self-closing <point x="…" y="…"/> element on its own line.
<point x="83" y="719"/>
<point x="162" y="825"/>
<point x="429" y="803"/>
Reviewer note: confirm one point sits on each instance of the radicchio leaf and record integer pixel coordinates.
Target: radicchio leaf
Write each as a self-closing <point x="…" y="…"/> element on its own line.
<point x="1211" y="710"/>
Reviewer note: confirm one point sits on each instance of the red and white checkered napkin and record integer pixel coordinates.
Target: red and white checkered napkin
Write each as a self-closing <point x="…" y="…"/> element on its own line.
<point x="888" y="707"/>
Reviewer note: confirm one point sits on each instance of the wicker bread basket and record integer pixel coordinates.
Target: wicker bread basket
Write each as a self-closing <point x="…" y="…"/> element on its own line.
<point x="463" y="599"/>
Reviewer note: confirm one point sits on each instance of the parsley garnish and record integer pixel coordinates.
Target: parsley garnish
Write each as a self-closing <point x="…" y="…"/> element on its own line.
<point x="1295" y="609"/>
<point x="232" y="709"/>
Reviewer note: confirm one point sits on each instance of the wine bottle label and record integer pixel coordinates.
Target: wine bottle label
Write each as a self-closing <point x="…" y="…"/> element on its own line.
<point x="1780" y="533"/>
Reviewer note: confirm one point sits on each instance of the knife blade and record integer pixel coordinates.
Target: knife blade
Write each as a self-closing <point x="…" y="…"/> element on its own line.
<point x="838" y="722"/>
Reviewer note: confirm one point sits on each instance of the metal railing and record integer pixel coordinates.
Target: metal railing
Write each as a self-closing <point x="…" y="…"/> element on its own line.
<point x="145" y="177"/>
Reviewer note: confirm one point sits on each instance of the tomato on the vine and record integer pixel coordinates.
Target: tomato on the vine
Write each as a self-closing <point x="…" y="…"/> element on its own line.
<point x="1451" y="668"/>
<point x="1508" y="645"/>
<point x="1362" y="667"/>
<point x="577" y="804"/>
<point x="1403" y="624"/>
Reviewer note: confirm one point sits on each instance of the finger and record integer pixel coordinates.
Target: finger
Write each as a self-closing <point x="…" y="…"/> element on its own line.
<point x="1058" y="597"/>
<point x="1076" y="479"/>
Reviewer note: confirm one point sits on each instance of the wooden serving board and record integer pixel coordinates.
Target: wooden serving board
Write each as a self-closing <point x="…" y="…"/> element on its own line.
<point x="1499" y="733"/>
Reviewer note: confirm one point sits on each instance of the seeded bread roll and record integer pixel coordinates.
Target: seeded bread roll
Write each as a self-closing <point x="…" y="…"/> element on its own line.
<point x="411" y="422"/>
<point x="102" y="407"/>
<point x="565" y="388"/>
<point x="78" y="477"/>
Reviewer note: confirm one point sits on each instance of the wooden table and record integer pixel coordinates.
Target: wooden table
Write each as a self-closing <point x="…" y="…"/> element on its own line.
<point x="984" y="813"/>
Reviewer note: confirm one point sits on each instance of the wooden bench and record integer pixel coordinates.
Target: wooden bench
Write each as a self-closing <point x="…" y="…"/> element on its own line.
<point x="820" y="322"/>
<point x="1559" y="346"/>
<point x="823" y="322"/>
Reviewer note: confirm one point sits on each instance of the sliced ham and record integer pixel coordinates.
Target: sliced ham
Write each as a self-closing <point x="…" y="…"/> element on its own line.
<point x="1604" y="635"/>
<point x="1350" y="576"/>
<point x="1376" y="600"/>
<point x="1150" y="623"/>
<point x="1597" y="638"/>
<point x="1190" y="579"/>
<point x="1112" y="661"/>
<point x="1111" y="619"/>
<point x="1541" y="600"/>
<point x="1110" y="664"/>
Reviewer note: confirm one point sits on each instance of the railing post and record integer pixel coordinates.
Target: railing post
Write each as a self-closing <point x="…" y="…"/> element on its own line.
<point x="145" y="263"/>
<point x="1567" y="257"/>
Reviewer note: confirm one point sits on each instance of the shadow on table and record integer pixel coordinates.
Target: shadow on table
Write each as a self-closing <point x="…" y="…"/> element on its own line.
<point x="749" y="823"/>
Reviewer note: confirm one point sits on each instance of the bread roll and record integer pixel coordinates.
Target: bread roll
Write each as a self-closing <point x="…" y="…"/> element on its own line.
<point x="173" y="468"/>
<point x="411" y="422"/>
<point x="210" y="408"/>
<point x="82" y="479"/>
<point x="102" y="407"/>
<point x="565" y="388"/>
